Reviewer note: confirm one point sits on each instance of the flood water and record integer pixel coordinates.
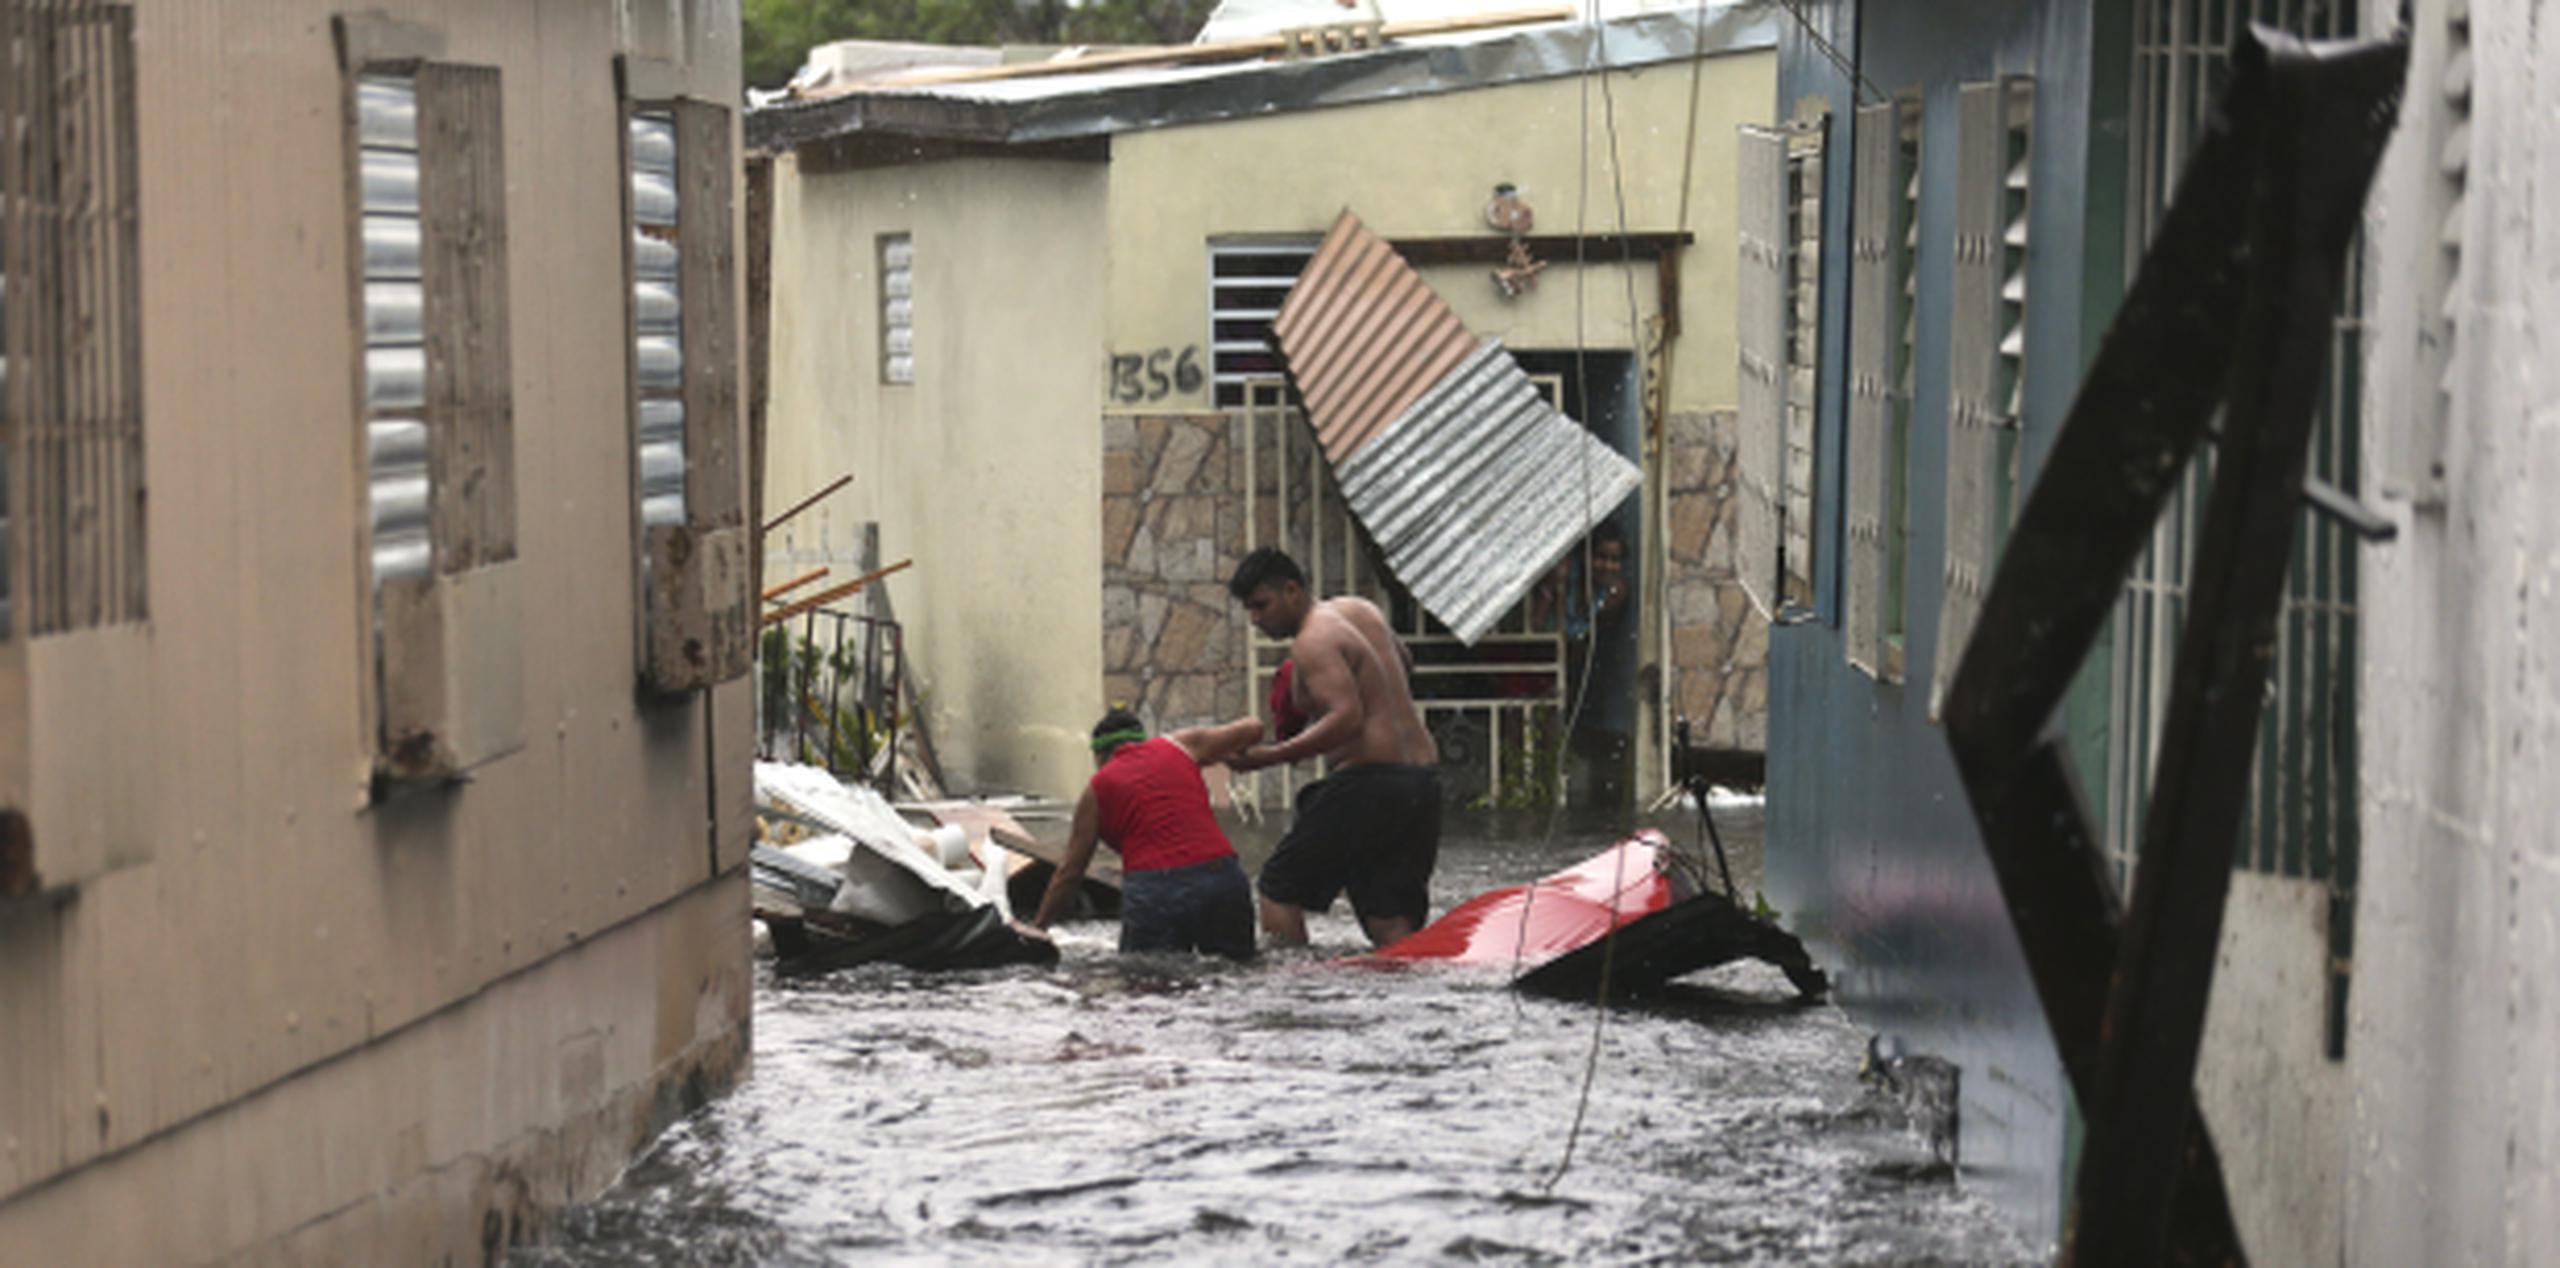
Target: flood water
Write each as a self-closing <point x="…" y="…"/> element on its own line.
<point x="1179" y="1111"/>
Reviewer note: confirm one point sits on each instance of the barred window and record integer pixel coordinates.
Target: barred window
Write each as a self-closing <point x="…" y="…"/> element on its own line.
<point x="71" y="478"/>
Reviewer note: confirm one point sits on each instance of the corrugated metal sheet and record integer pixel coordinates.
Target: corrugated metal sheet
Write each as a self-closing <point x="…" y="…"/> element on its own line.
<point x="1365" y="336"/>
<point x="1100" y="102"/>
<point x="1466" y="478"/>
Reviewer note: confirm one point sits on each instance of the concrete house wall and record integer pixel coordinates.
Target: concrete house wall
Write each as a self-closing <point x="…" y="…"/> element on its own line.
<point x="286" y="1021"/>
<point x="984" y="470"/>
<point x="2452" y="1153"/>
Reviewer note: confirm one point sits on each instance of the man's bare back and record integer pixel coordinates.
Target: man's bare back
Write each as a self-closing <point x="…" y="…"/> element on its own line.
<point x="1353" y="633"/>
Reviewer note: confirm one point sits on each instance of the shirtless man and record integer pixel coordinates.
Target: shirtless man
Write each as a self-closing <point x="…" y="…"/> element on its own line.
<point x="1372" y="825"/>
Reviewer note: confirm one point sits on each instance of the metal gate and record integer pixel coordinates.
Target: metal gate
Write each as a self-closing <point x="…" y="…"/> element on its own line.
<point x="1494" y="708"/>
<point x="2302" y="820"/>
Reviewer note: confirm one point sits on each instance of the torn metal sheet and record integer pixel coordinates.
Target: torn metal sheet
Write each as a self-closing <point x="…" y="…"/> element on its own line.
<point x="1104" y="102"/>
<point x="1469" y="482"/>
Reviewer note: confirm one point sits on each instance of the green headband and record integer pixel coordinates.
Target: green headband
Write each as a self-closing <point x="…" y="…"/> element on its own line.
<point x="1110" y="738"/>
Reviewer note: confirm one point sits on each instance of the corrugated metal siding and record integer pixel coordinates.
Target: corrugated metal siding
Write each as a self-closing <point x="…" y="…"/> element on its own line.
<point x="1480" y="488"/>
<point x="1469" y="481"/>
<point x="395" y="355"/>
<point x="1364" y="336"/>
<point x="1761" y="298"/>
<point x="1873" y="194"/>
<point x="1973" y="374"/>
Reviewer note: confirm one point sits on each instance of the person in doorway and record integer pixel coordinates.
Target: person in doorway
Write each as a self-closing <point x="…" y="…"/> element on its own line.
<point x="1181" y="888"/>
<point x="1372" y="825"/>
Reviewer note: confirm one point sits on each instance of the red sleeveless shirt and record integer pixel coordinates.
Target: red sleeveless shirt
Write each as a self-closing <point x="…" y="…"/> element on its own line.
<point x="1155" y="808"/>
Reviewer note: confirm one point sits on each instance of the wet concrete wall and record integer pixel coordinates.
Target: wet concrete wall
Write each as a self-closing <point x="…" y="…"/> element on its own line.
<point x="2454" y="1148"/>
<point x="288" y="1003"/>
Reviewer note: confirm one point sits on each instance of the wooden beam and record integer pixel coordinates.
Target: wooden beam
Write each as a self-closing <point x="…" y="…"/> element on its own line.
<point x="793" y="584"/>
<point x="833" y="593"/>
<point x="1554" y="248"/>
<point x="805" y="503"/>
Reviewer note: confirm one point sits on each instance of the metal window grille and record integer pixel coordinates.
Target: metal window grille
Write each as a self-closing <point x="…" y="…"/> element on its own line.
<point x="897" y="262"/>
<point x="71" y="491"/>
<point x="2303" y="817"/>
<point x="657" y="317"/>
<point x="1248" y="281"/>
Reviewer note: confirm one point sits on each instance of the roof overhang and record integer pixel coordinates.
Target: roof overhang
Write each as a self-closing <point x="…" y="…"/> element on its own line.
<point x="1104" y="102"/>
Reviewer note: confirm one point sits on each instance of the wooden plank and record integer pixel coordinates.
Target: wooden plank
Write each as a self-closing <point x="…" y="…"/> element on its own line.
<point x="470" y="410"/>
<point x="833" y="593"/>
<point x="805" y="503"/>
<point x="793" y="584"/>
<point x="707" y="278"/>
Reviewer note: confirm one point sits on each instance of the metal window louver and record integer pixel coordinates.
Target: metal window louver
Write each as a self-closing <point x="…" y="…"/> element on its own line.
<point x="1761" y="298"/>
<point x="1248" y="282"/>
<point x="1876" y="195"/>
<point x="1905" y="295"/>
<point x="657" y="318"/>
<point x="897" y="308"/>
<point x="1978" y="406"/>
<point x="395" y="355"/>
<point x="1468" y="481"/>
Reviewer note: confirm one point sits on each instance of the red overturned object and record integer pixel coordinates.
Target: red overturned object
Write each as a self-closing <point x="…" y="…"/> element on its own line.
<point x="1618" y="924"/>
<point x="1528" y="925"/>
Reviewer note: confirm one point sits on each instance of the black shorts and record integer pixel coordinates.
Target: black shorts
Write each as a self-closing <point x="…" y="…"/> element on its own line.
<point x="1204" y="907"/>
<point x="1373" y="830"/>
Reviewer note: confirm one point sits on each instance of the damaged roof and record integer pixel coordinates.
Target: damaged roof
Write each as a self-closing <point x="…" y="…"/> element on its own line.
<point x="1098" y="103"/>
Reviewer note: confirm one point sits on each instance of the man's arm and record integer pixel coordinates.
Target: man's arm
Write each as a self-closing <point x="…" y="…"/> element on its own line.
<point x="1324" y="673"/>
<point x="1210" y="745"/>
<point x="1081" y="839"/>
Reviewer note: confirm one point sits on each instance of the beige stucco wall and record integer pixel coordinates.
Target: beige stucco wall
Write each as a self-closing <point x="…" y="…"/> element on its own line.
<point x="282" y="929"/>
<point x="986" y="470"/>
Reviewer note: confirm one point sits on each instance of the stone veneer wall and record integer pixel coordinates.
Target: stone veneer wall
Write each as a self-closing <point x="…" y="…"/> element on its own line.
<point x="1719" y="643"/>
<point x="1172" y="531"/>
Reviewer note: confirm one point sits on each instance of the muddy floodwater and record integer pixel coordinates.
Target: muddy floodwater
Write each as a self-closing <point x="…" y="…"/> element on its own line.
<point x="1176" y="1111"/>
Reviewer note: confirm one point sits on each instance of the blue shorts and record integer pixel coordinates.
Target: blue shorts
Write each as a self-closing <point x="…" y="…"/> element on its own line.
<point x="1205" y="907"/>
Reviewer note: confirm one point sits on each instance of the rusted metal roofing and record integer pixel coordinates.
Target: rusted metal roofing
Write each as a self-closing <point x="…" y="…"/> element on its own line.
<point x="1466" y="478"/>
<point x="1364" y="336"/>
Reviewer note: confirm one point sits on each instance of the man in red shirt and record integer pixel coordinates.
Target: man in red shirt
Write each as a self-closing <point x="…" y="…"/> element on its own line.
<point x="1181" y="888"/>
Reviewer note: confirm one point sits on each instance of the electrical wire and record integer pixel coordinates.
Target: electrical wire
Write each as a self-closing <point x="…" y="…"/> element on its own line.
<point x="1594" y="66"/>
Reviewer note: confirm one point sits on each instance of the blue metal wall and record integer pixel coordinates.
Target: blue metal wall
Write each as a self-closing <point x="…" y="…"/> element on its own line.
<point x="1872" y="849"/>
